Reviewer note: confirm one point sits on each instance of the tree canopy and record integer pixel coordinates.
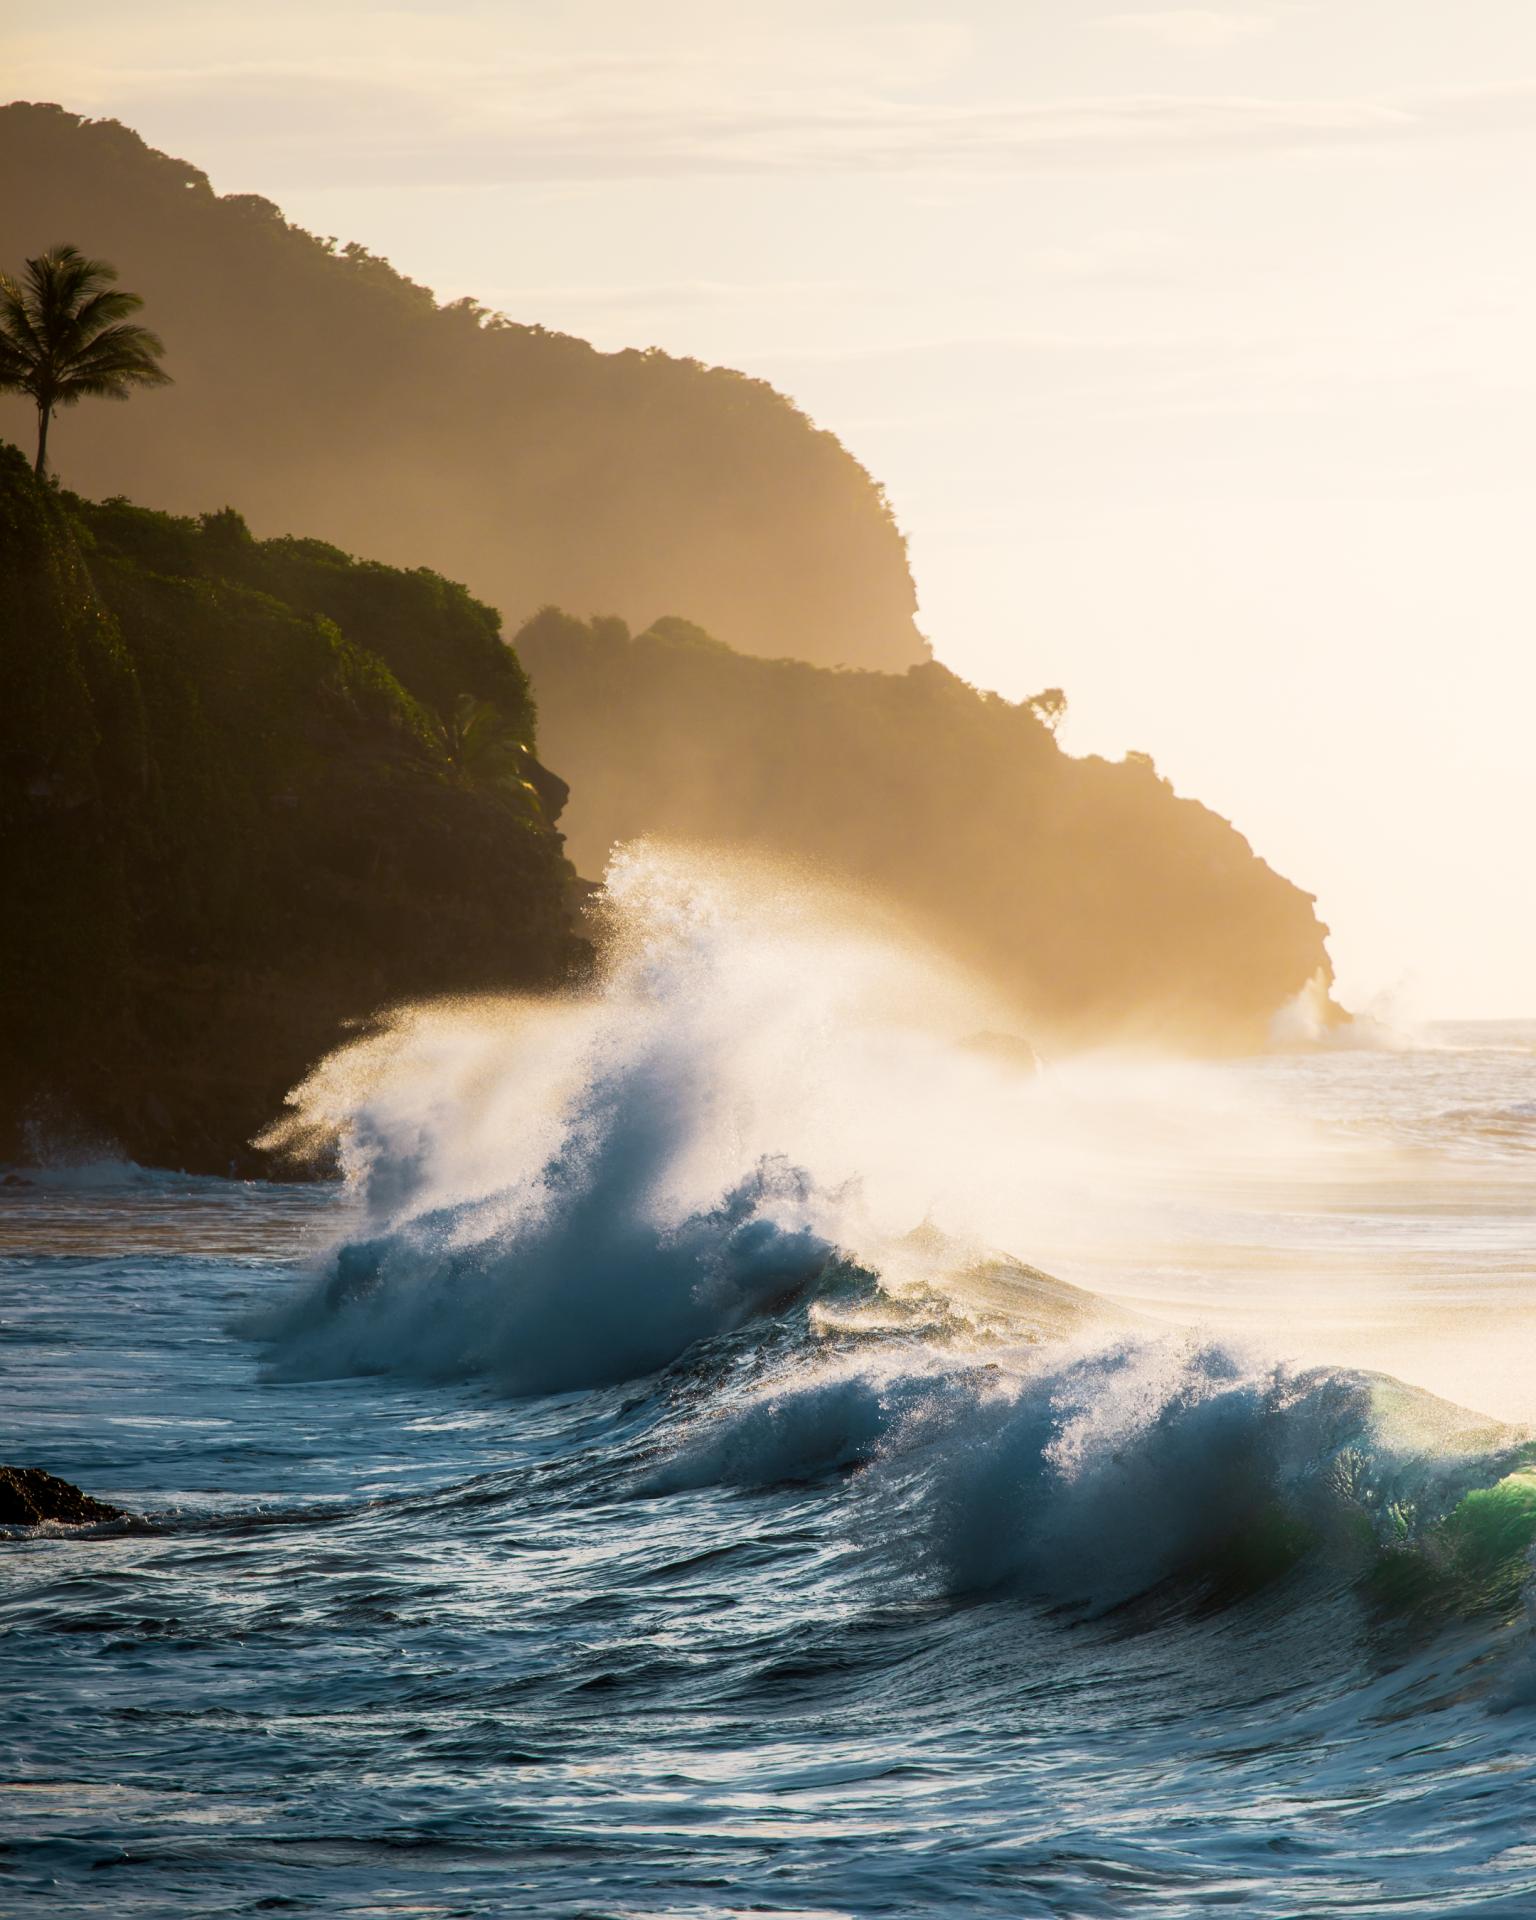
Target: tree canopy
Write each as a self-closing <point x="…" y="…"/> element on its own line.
<point x="231" y="825"/>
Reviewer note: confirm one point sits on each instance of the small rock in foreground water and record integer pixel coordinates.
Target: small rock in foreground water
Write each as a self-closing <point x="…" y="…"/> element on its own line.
<point x="28" y="1497"/>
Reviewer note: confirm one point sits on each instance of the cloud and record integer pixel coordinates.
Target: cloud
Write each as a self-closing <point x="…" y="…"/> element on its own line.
<point x="1191" y="29"/>
<point x="385" y="138"/>
<point x="598" y="92"/>
<point x="529" y="120"/>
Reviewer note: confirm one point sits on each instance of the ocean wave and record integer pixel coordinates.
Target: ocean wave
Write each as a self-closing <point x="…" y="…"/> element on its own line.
<point x="1511" y="1126"/>
<point x="567" y="1193"/>
<point x="580" y="1291"/>
<point x="724" y="1160"/>
<point x="1092" y="1478"/>
<point x="96" y="1175"/>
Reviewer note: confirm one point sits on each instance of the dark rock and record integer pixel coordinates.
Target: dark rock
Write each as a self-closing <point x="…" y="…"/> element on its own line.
<point x="28" y="1497"/>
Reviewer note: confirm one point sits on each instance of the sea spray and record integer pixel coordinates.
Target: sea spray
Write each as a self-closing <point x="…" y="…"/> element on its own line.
<point x="566" y="1193"/>
<point x="770" y="1086"/>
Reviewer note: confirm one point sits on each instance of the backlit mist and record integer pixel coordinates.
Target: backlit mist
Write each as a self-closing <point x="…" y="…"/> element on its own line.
<point x="1192" y="345"/>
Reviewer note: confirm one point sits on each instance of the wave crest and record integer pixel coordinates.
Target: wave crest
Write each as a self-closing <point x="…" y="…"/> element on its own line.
<point x="1087" y="1479"/>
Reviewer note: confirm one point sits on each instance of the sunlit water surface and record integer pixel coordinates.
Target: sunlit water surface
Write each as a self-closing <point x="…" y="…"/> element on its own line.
<point x="877" y="1596"/>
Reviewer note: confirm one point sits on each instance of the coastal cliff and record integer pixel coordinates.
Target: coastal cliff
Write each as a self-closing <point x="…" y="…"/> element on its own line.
<point x="1104" y="905"/>
<point x="317" y="389"/>
<point x="251" y="793"/>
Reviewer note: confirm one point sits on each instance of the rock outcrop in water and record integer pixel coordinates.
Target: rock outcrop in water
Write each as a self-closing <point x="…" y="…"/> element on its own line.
<point x="318" y="390"/>
<point x="250" y="793"/>
<point x="1104" y="905"/>
<point x="29" y="1498"/>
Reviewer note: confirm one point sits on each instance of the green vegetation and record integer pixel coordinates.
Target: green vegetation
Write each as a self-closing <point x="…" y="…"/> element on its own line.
<point x="1101" y="903"/>
<point x="233" y="820"/>
<point x="319" y="390"/>
<point x="66" y="335"/>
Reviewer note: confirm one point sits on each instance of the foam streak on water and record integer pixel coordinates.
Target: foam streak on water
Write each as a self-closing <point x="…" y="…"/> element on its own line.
<point x="742" y="1440"/>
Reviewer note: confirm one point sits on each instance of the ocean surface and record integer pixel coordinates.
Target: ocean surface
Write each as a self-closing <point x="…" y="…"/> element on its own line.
<point x="743" y="1440"/>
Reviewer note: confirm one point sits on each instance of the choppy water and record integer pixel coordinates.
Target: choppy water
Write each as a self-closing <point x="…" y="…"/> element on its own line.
<point x="646" y="1489"/>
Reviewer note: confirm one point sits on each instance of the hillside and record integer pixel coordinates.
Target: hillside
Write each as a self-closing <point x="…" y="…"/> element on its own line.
<point x="1104" y="905"/>
<point x="317" y="389"/>
<point x="249" y="793"/>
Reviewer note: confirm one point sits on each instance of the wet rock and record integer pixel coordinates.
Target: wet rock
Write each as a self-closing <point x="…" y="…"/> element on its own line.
<point x="28" y="1497"/>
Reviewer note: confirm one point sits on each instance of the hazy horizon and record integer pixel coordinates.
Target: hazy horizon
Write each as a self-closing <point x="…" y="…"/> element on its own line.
<point x="1190" y="345"/>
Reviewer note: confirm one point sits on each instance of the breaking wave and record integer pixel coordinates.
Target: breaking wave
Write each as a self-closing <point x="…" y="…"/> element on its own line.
<point x="765" y="1159"/>
<point x="1091" y="1479"/>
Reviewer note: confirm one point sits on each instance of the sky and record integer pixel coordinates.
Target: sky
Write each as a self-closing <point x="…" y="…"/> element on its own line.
<point x="1195" y="346"/>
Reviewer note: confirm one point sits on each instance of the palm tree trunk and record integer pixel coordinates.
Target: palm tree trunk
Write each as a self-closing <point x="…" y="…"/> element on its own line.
<point x="44" y="415"/>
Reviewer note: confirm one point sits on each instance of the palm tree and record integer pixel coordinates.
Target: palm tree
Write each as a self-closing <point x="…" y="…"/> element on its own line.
<point x="65" y="333"/>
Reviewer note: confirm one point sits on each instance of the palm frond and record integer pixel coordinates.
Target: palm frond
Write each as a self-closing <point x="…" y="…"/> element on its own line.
<point x="15" y="318"/>
<point x="66" y="333"/>
<point x="14" y="367"/>
<point x="128" y="350"/>
<point x="101" y="310"/>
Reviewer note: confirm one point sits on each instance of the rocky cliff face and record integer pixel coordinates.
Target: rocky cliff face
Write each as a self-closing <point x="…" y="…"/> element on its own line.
<point x="1104" y="905"/>
<point x="318" y="390"/>
<point x="249" y="793"/>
